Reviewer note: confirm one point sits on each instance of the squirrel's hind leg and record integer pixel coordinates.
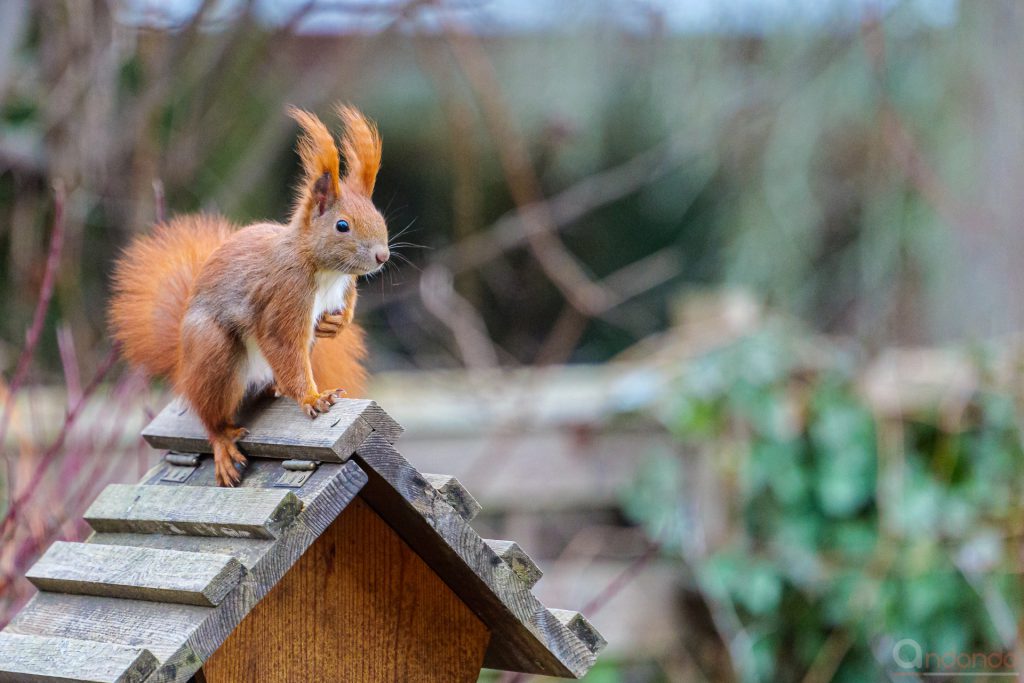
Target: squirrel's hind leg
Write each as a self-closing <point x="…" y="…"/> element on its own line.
<point x="209" y="378"/>
<point x="225" y="456"/>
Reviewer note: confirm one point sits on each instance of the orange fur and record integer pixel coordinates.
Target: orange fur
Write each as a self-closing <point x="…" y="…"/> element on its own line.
<point x="211" y="307"/>
<point x="362" y="147"/>
<point x="338" y="361"/>
<point x="152" y="283"/>
<point x="319" y="158"/>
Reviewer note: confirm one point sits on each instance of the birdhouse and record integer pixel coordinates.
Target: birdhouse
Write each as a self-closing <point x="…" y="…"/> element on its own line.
<point x="333" y="560"/>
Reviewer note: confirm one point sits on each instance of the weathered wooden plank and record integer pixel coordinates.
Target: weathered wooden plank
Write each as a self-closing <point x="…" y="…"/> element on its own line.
<point x="525" y="636"/>
<point x="162" y="628"/>
<point x="383" y="424"/>
<point x="36" y="659"/>
<point x="136" y="573"/>
<point x="277" y="429"/>
<point x="183" y="636"/>
<point x="195" y="510"/>
<point x="439" y="640"/>
<point x="261" y="473"/>
<point x="246" y="550"/>
<point x="456" y="494"/>
<point x="516" y="558"/>
<point x="581" y="628"/>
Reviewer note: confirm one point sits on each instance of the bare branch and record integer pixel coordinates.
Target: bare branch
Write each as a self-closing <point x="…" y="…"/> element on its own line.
<point x="561" y="267"/>
<point x="46" y="290"/>
<point x="159" y="201"/>
<point x="564" y="208"/>
<point x="458" y="315"/>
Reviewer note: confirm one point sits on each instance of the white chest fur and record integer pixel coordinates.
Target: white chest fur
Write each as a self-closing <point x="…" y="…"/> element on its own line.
<point x="331" y="292"/>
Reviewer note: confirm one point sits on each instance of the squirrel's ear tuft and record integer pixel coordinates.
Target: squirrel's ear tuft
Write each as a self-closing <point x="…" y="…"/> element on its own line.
<point x="361" y="145"/>
<point x="319" y="160"/>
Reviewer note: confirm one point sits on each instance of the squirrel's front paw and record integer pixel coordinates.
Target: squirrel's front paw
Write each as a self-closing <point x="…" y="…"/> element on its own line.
<point x="330" y="325"/>
<point x="314" y="404"/>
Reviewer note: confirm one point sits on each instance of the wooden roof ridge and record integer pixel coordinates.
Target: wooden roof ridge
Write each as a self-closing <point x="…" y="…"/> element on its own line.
<point x="175" y="563"/>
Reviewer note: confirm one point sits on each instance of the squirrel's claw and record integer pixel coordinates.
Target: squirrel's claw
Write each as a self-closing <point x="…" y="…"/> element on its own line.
<point x="227" y="458"/>
<point x="331" y="397"/>
<point x="320" y="403"/>
<point x="226" y="475"/>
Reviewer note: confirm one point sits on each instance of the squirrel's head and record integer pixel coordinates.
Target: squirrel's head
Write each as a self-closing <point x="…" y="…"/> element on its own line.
<point x="335" y="215"/>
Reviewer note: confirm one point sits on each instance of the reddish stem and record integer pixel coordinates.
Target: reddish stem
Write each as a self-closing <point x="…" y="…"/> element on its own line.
<point x="35" y="331"/>
<point x="55" y="448"/>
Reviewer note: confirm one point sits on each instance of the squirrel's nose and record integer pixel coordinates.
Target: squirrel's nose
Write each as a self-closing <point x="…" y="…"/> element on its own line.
<point x="382" y="254"/>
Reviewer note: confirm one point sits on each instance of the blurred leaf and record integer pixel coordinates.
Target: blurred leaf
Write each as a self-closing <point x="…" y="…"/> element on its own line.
<point x="843" y="435"/>
<point x="604" y="672"/>
<point x="806" y="551"/>
<point x="760" y="588"/>
<point x="19" y="110"/>
<point x="654" y="499"/>
<point x="131" y="76"/>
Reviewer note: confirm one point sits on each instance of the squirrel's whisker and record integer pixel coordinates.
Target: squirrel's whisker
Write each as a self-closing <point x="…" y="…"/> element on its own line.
<point x="411" y="245"/>
<point x="405" y="259"/>
<point x="405" y="229"/>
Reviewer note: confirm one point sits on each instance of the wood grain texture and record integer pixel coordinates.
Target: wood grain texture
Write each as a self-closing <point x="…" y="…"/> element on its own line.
<point x="136" y="573"/>
<point x="371" y="610"/>
<point x="245" y="550"/>
<point x="455" y="494"/>
<point x="161" y="628"/>
<point x="183" y="636"/>
<point x="35" y="659"/>
<point x="517" y="559"/>
<point x="525" y="636"/>
<point x="383" y="424"/>
<point x="582" y="628"/>
<point x="193" y="510"/>
<point x="277" y="429"/>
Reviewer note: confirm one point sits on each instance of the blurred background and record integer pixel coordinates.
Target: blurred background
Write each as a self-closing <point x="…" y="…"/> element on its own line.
<point x="714" y="306"/>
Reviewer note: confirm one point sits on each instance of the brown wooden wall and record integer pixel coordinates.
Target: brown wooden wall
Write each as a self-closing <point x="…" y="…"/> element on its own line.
<point x="358" y="606"/>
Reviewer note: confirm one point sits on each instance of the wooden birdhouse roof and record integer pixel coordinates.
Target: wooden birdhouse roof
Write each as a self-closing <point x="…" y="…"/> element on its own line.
<point x="175" y="562"/>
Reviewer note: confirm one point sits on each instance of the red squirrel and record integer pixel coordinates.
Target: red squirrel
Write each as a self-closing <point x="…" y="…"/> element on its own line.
<point x="222" y="311"/>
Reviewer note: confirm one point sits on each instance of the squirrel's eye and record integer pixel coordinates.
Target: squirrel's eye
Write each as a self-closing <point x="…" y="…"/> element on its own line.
<point x="341" y="226"/>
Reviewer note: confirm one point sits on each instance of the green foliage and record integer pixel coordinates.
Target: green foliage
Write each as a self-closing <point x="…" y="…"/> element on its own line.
<point x="18" y="111"/>
<point x="845" y="531"/>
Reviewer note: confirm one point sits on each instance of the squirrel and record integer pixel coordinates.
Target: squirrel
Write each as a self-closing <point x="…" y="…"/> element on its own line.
<point x="223" y="311"/>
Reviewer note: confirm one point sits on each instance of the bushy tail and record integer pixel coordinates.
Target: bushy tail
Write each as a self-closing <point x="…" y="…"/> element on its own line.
<point x="338" y="361"/>
<point x="153" y="280"/>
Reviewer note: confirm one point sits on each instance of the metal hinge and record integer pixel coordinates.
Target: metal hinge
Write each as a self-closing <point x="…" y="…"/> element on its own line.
<point x="180" y="466"/>
<point x="296" y="473"/>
